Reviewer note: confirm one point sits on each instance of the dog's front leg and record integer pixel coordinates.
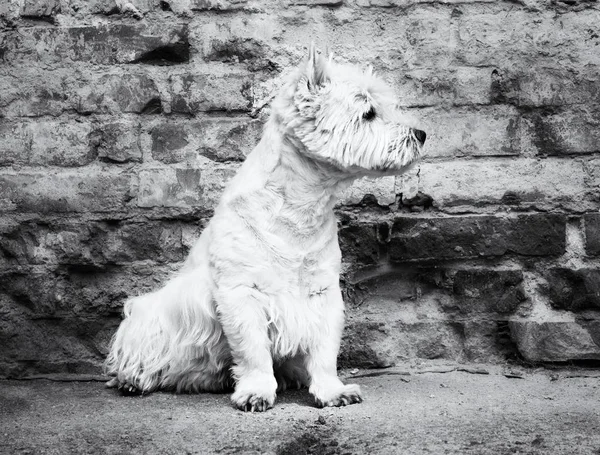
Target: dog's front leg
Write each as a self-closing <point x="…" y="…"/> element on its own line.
<point x="321" y="359"/>
<point x="245" y="325"/>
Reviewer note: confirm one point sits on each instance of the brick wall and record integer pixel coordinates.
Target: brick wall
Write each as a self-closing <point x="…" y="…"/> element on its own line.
<point x="121" y="122"/>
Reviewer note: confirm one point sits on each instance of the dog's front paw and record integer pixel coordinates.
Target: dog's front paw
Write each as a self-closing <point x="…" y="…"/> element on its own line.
<point x="347" y="394"/>
<point x="125" y="387"/>
<point x="253" y="402"/>
<point x="256" y="394"/>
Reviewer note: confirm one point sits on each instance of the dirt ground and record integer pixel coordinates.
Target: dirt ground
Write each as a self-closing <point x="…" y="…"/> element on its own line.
<point x="440" y="409"/>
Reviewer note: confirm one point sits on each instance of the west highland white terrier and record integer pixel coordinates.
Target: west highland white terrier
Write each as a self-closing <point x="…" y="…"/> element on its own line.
<point x="257" y="304"/>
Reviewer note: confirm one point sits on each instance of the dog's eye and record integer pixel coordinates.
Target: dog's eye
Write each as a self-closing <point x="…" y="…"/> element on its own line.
<point x="369" y="115"/>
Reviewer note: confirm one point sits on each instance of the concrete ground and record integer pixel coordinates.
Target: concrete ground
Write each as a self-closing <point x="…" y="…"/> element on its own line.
<point x="439" y="409"/>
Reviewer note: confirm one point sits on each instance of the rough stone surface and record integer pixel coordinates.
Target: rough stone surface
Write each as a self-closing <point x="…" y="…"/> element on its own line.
<point x="555" y="341"/>
<point x="479" y="236"/>
<point x="192" y="94"/>
<point x="121" y="123"/>
<point x="573" y="290"/>
<point x="40" y="8"/>
<point x="219" y="140"/>
<point x="431" y="312"/>
<point x="592" y="234"/>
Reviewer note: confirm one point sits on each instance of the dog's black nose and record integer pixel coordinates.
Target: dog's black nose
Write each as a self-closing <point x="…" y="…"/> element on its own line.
<point x="421" y="136"/>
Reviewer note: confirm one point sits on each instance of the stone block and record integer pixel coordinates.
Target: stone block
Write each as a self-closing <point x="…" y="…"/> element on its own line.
<point x="562" y="133"/>
<point x="573" y="290"/>
<point x="51" y="190"/>
<point x="37" y="92"/>
<point x="45" y="143"/>
<point x="382" y="189"/>
<point x="115" y="93"/>
<point x="592" y="234"/>
<point x="193" y="93"/>
<point x="524" y="182"/>
<point x="476" y="237"/>
<point x="359" y="243"/>
<point x="317" y="2"/>
<point x="482" y="131"/>
<point x="93" y="294"/>
<point x="554" y="341"/>
<point x="117" y="141"/>
<point x="218" y="5"/>
<point x="544" y="86"/>
<point x="170" y="187"/>
<point x="90" y="245"/>
<point x="40" y="8"/>
<point x="160" y="44"/>
<point x="485" y="290"/>
<point x="221" y="140"/>
<point x="431" y="87"/>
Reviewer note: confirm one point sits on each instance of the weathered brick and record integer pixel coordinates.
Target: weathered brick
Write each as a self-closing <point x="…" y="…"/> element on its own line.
<point x="430" y="312"/>
<point x="485" y="40"/>
<point x="554" y="341"/>
<point x="103" y="44"/>
<point x="526" y="182"/>
<point x="225" y="139"/>
<point x="592" y="234"/>
<point x="573" y="290"/>
<point x="219" y="5"/>
<point x="431" y="87"/>
<point x="193" y="93"/>
<point x="41" y="93"/>
<point x="91" y="293"/>
<point x="49" y="345"/>
<point x="135" y="93"/>
<point x="109" y="7"/>
<point x="486" y="131"/>
<point x="91" y="243"/>
<point x="317" y="2"/>
<point x="52" y="190"/>
<point x="573" y="131"/>
<point x="428" y="37"/>
<point x="405" y="3"/>
<point x="359" y="243"/>
<point x="543" y="86"/>
<point x="170" y="187"/>
<point x="476" y="236"/>
<point x="187" y="187"/>
<point x="117" y="141"/>
<point x="485" y="290"/>
<point x="56" y="143"/>
<point x="383" y="189"/>
<point x="40" y="8"/>
<point x="36" y="93"/>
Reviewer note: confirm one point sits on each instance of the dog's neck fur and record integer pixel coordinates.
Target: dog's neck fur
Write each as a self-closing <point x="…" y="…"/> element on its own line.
<point x="301" y="192"/>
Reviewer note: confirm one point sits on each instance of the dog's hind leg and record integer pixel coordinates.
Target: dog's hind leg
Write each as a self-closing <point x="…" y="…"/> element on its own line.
<point x="170" y="339"/>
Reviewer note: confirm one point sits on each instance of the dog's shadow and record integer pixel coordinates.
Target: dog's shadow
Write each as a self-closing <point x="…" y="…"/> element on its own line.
<point x="299" y="397"/>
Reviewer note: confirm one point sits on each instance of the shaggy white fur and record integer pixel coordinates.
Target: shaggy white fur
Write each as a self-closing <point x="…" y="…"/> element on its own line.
<point x="257" y="302"/>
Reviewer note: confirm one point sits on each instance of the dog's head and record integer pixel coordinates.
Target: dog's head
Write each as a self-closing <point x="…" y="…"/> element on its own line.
<point x="347" y="118"/>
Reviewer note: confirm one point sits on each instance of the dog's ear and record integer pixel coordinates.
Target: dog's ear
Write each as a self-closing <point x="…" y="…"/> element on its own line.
<point x="314" y="77"/>
<point x="316" y="69"/>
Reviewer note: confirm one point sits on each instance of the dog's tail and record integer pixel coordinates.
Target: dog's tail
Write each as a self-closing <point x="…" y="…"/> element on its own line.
<point x="170" y="339"/>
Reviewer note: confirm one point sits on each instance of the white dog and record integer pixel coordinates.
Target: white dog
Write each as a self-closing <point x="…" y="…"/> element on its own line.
<point x="257" y="302"/>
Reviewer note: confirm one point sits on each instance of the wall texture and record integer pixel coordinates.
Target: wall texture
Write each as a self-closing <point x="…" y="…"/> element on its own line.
<point x="121" y="122"/>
